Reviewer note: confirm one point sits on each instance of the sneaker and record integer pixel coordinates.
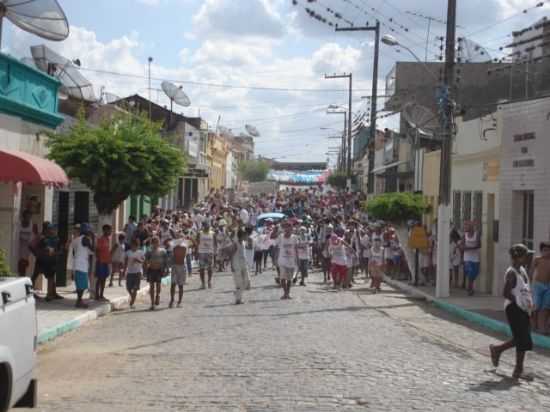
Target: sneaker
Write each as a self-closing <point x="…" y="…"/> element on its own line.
<point x="203" y="286"/>
<point x="171" y="305"/>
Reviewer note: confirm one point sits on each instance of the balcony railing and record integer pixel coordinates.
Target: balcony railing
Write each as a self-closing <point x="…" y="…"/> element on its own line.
<point x="28" y="93"/>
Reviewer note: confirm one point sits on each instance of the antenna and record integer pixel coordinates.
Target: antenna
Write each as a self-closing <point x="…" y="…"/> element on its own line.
<point x="44" y="18"/>
<point x="73" y="82"/>
<point x="175" y="94"/>
<point x="252" y="131"/>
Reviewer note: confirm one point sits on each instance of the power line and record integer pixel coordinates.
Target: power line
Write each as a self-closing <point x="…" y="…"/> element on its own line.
<point x="219" y="85"/>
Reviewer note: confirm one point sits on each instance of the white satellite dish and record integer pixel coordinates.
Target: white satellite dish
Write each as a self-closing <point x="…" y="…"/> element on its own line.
<point x="74" y="84"/>
<point x="175" y="94"/>
<point x="44" y="18"/>
<point x="421" y="119"/>
<point x="252" y="131"/>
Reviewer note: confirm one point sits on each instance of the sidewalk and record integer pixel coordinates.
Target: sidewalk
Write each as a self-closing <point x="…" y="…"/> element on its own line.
<point x="483" y="310"/>
<point x="58" y="317"/>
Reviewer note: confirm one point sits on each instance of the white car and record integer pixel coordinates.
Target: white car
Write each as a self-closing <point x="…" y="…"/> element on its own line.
<point x="18" y="344"/>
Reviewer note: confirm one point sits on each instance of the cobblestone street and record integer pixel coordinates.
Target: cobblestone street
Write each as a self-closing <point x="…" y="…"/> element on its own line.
<point x="321" y="351"/>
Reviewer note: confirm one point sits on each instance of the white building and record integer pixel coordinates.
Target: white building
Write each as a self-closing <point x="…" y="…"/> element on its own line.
<point x="524" y="177"/>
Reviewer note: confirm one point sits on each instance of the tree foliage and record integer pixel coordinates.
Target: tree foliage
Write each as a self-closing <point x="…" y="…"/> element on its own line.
<point x="253" y="170"/>
<point x="338" y="180"/>
<point x="397" y="207"/>
<point x="123" y="156"/>
<point x="4" y="268"/>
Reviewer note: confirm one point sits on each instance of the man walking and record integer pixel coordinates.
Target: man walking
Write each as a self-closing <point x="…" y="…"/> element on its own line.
<point x="239" y="266"/>
<point x="179" y="270"/>
<point x="287" y="259"/>
<point x="472" y="255"/>
<point x="205" y="250"/>
<point x="103" y="262"/>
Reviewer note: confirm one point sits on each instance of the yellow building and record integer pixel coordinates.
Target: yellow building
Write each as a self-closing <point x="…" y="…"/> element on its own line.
<point x="217" y="151"/>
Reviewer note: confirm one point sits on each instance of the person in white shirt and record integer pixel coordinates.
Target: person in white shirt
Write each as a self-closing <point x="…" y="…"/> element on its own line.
<point x="518" y="306"/>
<point x="338" y="259"/>
<point x="205" y="247"/>
<point x="82" y="248"/>
<point x="472" y="255"/>
<point x="239" y="266"/>
<point x="304" y="256"/>
<point x="287" y="258"/>
<point x="377" y="264"/>
<point x="133" y="266"/>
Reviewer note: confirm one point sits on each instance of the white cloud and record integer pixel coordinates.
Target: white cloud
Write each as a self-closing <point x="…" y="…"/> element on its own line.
<point x="149" y="2"/>
<point x="253" y="18"/>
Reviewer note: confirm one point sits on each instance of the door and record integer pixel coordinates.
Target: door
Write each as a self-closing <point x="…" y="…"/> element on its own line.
<point x="490" y="241"/>
<point x="81" y="207"/>
<point x="528" y="221"/>
<point x="63" y="233"/>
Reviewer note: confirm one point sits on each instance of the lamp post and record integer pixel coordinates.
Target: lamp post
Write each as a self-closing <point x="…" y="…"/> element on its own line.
<point x="446" y="108"/>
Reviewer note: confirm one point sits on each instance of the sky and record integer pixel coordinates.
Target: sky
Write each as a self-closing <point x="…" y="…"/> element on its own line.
<point x="262" y="62"/>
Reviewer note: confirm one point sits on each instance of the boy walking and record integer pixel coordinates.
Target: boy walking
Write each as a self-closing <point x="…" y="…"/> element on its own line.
<point x="103" y="263"/>
<point x="133" y="267"/>
<point x="179" y="270"/>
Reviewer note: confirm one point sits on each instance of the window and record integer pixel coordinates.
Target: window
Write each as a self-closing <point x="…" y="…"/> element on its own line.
<point x="457" y="209"/>
<point x="524" y="136"/>
<point x="467" y="207"/>
<point x="524" y="163"/>
<point x="478" y="209"/>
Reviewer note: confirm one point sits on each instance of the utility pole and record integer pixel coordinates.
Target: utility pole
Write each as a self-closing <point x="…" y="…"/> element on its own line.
<point x="149" y="60"/>
<point x="374" y="99"/>
<point x="349" y="121"/>
<point x="446" y="110"/>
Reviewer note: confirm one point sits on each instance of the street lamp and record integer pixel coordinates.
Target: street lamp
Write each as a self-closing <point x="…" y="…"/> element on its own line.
<point x="391" y="41"/>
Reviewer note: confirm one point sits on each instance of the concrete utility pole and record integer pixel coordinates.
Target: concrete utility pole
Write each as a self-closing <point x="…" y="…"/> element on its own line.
<point x="374" y="100"/>
<point x="447" y="129"/>
<point x="349" y="121"/>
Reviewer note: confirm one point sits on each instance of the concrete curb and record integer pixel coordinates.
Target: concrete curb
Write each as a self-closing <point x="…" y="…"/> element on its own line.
<point x="468" y="315"/>
<point x="90" y="315"/>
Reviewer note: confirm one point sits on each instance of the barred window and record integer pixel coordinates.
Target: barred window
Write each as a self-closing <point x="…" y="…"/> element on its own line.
<point x="457" y="209"/>
<point x="478" y="208"/>
<point x="467" y="207"/>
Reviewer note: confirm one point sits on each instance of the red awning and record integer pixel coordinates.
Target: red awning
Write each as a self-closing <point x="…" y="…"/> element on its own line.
<point x="16" y="166"/>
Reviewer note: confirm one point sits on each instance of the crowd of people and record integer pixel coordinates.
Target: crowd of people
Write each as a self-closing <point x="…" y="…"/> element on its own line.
<point x="291" y="232"/>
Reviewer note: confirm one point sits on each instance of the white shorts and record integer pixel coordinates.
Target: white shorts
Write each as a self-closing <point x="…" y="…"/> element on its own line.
<point x="287" y="273"/>
<point x="179" y="275"/>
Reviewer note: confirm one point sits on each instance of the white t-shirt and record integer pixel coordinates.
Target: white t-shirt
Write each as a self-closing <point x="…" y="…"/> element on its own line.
<point x="287" y="251"/>
<point x="244" y="216"/>
<point x="338" y="254"/>
<point x="471" y="241"/>
<point x="206" y="243"/>
<point x="303" y="249"/>
<point x="81" y="261"/>
<point x="135" y="260"/>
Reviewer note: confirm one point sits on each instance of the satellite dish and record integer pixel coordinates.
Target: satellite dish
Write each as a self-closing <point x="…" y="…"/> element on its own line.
<point x="44" y="18"/>
<point x="73" y="82"/>
<point x="472" y="52"/>
<point x="252" y="131"/>
<point x="109" y="98"/>
<point x="175" y="94"/>
<point x="421" y="119"/>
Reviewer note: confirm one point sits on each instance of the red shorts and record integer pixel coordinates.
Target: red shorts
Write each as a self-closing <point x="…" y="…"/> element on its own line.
<point x="339" y="272"/>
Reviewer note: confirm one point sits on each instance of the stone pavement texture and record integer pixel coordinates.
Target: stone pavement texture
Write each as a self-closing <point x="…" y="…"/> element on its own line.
<point x="321" y="351"/>
<point x="58" y="317"/>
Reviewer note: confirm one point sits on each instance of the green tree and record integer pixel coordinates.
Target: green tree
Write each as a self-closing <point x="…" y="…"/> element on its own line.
<point x="338" y="180"/>
<point x="123" y="156"/>
<point x="397" y="207"/>
<point x="253" y="170"/>
<point x="4" y="269"/>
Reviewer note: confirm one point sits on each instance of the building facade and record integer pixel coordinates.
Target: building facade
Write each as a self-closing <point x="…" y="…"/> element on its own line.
<point x="28" y="108"/>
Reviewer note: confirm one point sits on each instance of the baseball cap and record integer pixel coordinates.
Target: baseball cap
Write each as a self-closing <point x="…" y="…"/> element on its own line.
<point x="520" y="250"/>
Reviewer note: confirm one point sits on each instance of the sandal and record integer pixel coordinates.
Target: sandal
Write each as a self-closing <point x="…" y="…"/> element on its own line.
<point x="157" y="300"/>
<point x="495" y="357"/>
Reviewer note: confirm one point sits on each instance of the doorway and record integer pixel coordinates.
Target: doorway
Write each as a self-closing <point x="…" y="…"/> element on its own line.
<point x="528" y="220"/>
